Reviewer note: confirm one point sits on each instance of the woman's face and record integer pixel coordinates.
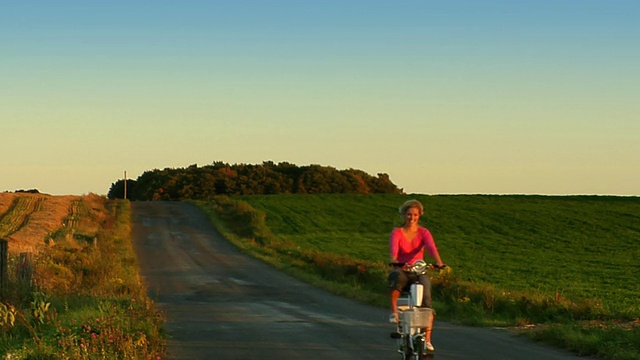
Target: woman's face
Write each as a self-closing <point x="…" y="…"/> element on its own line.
<point x="411" y="216"/>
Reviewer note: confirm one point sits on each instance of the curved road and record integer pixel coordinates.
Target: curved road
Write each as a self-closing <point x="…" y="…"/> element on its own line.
<point x="221" y="304"/>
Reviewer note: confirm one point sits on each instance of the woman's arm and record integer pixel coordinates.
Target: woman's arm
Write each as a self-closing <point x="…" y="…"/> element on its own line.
<point x="393" y="246"/>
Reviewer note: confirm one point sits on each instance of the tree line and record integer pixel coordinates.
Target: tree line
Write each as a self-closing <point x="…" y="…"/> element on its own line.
<point x="219" y="178"/>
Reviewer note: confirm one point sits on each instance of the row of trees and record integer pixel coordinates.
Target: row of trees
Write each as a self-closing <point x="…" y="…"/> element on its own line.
<point x="221" y="178"/>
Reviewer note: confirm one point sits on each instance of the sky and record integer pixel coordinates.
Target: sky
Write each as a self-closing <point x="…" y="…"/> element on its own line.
<point x="446" y="97"/>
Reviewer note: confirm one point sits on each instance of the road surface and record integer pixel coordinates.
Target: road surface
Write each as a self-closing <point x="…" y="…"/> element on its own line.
<point x="221" y="304"/>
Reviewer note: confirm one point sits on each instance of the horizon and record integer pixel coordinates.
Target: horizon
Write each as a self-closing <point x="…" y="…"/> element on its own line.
<point x="23" y="190"/>
<point x="460" y="97"/>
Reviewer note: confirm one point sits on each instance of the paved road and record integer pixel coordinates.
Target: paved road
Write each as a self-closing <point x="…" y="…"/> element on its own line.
<point x="221" y="304"/>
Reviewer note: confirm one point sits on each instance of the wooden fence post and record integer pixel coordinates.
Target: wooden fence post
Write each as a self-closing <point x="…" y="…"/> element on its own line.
<point x="4" y="258"/>
<point x="26" y="267"/>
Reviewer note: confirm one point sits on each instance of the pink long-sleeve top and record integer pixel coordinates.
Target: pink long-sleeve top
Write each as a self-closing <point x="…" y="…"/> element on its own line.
<point x="404" y="250"/>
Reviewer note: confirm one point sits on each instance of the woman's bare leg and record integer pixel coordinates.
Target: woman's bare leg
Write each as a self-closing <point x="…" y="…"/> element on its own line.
<point x="395" y="295"/>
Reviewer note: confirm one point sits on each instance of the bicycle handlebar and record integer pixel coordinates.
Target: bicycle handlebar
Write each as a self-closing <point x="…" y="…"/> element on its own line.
<point x="429" y="266"/>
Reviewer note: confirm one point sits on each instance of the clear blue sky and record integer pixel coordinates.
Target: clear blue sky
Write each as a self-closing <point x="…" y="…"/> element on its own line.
<point x="527" y="97"/>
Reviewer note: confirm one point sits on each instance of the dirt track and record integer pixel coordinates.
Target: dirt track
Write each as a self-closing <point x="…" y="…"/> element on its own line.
<point x="223" y="305"/>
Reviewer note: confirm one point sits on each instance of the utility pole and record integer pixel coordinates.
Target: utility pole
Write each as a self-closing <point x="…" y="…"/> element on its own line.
<point x="125" y="184"/>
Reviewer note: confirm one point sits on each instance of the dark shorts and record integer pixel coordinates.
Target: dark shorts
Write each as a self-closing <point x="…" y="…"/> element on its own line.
<point x="400" y="280"/>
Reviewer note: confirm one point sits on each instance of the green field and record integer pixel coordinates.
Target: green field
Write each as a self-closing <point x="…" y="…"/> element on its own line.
<point x="579" y="247"/>
<point x="564" y="266"/>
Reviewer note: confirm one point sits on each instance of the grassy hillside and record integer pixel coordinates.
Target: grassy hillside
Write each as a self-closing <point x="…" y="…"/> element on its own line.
<point x="567" y="265"/>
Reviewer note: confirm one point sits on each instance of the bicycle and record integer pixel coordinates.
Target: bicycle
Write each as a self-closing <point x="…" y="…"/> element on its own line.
<point x="413" y="318"/>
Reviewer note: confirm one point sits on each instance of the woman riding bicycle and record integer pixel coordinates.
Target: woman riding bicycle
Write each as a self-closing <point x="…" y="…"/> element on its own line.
<point x="406" y="245"/>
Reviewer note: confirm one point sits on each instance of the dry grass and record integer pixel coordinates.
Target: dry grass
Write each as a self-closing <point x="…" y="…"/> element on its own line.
<point x="80" y="296"/>
<point x="6" y="199"/>
<point x="52" y="216"/>
<point x="93" y="214"/>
